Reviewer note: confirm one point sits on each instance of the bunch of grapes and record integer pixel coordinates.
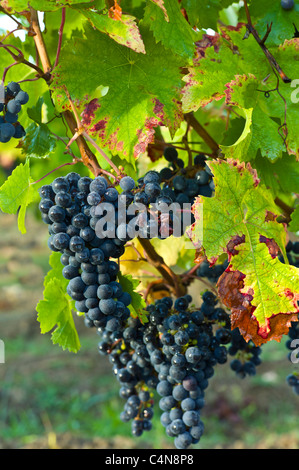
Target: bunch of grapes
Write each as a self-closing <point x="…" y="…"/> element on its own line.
<point x="67" y="206"/>
<point x="75" y="209"/>
<point x="292" y="250"/>
<point x="14" y="98"/>
<point x="182" y="184"/>
<point x="131" y="366"/>
<point x="212" y="273"/>
<point x="247" y="355"/>
<point x="292" y="345"/>
<point x="175" y="354"/>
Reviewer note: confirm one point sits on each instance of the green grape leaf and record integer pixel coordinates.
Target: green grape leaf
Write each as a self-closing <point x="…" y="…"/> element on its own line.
<point x="55" y="310"/>
<point x="143" y="90"/>
<point x="243" y="93"/>
<point x="282" y="21"/>
<point x="138" y="305"/>
<point x="239" y="148"/>
<point x="176" y="34"/>
<point x="240" y="220"/>
<point x="35" y="112"/>
<point x="236" y="70"/>
<point x="38" y="142"/>
<point x="124" y="31"/>
<point x="160" y="4"/>
<point x="41" y="5"/>
<point x="294" y="224"/>
<point x="204" y="14"/>
<point x="17" y="193"/>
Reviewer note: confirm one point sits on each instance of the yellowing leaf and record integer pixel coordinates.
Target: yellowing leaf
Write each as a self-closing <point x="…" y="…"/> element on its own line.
<point x="124" y="31"/>
<point x="241" y="221"/>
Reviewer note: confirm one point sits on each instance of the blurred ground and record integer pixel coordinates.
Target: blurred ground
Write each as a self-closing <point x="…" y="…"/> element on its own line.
<point x="50" y="398"/>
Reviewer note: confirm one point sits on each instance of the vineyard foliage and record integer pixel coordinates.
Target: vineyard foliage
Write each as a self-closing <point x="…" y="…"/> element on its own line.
<point x="112" y="84"/>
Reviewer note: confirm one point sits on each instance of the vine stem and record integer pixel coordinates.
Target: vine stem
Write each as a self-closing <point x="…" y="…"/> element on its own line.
<point x="158" y="262"/>
<point x="60" y="33"/>
<point x="39" y="41"/>
<point x="20" y="58"/>
<point x="95" y="145"/>
<point x="88" y="157"/>
<point x="261" y="43"/>
<point x="203" y="134"/>
<point x="20" y="26"/>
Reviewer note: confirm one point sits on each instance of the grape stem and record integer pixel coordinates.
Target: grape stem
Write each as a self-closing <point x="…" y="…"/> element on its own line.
<point x="95" y="145"/>
<point x="9" y="33"/>
<point x="286" y="209"/>
<point x="153" y="286"/>
<point x="110" y="175"/>
<point x="6" y="70"/>
<point x="158" y="144"/>
<point x="55" y="169"/>
<point x="81" y="131"/>
<point x="19" y="59"/>
<point x="187" y="148"/>
<point x="88" y="157"/>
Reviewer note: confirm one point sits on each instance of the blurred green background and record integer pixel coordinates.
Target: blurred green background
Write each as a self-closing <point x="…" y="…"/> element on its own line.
<point x="50" y="398"/>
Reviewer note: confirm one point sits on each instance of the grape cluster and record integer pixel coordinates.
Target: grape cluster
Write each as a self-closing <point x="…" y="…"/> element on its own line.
<point x="183" y="352"/>
<point x="247" y="355"/>
<point x="174" y="354"/>
<point x="66" y="206"/>
<point x="181" y="184"/>
<point x="13" y="100"/>
<point x="74" y="208"/>
<point x="292" y="250"/>
<point x="292" y="345"/>
<point x="131" y="366"/>
<point x="212" y="273"/>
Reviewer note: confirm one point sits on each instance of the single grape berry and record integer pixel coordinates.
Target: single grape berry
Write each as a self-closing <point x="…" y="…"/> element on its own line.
<point x="287" y="4"/>
<point x="127" y="183"/>
<point x="14" y="106"/>
<point x="22" y="97"/>
<point x="170" y="154"/>
<point x="13" y="88"/>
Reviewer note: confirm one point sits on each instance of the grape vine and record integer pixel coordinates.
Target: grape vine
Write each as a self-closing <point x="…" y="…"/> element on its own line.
<point x="182" y="130"/>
